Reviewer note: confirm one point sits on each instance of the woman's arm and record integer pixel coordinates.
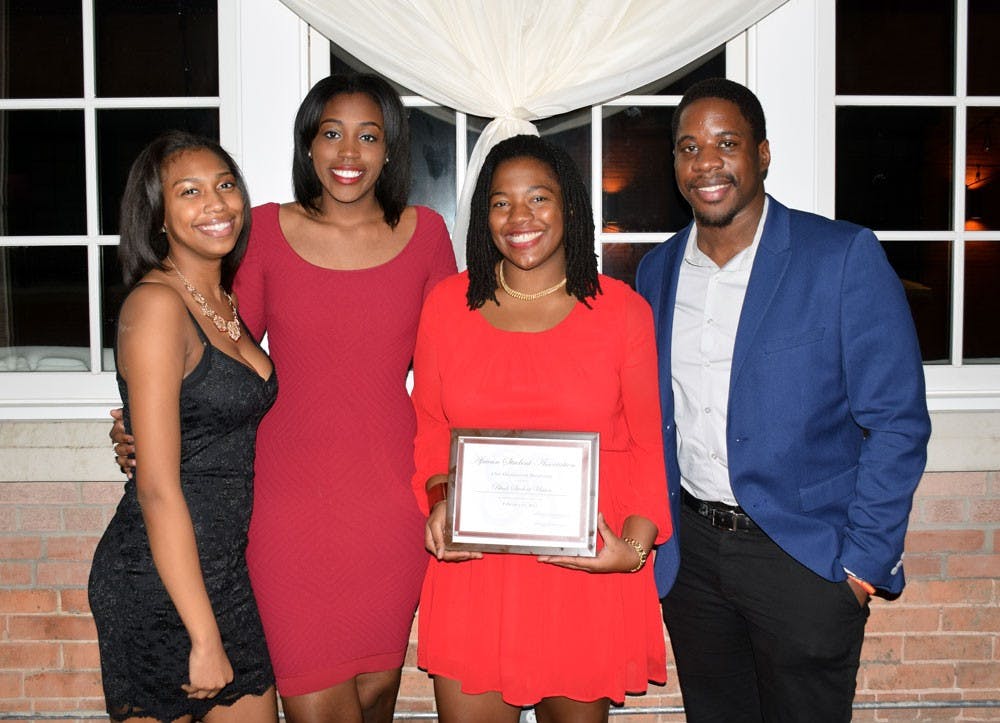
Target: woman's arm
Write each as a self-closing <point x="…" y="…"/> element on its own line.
<point x="154" y="353"/>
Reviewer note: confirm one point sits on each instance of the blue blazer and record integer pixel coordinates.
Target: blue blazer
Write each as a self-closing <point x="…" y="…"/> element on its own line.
<point x="827" y="427"/>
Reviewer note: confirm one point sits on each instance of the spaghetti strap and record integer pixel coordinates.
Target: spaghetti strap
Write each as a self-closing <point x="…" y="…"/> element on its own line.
<point x="201" y="332"/>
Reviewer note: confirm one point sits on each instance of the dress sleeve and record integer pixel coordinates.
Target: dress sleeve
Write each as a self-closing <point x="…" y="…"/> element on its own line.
<point x="645" y="492"/>
<point x="249" y="283"/>
<point x="432" y="444"/>
<point x="442" y="262"/>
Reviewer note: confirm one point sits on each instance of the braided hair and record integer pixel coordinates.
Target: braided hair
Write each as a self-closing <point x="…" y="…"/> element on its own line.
<point x="482" y="255"/>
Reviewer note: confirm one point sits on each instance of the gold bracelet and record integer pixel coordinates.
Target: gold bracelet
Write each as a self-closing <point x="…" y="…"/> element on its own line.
<point x="640" y="550"/>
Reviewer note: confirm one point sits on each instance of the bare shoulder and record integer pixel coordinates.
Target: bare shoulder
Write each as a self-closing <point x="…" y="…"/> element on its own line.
<point x="151" y="309"/>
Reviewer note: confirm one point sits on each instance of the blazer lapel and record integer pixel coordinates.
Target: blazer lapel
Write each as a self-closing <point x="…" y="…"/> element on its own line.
<point x="665" y="326"/>
<point x="768" y="269"/>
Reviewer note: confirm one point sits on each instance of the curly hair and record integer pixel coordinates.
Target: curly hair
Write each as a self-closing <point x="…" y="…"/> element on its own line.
<point x="392" y="189"/>
<point x="143" y="243"/>
<point x="482" y="255"/>
<point x="724" y="89"/>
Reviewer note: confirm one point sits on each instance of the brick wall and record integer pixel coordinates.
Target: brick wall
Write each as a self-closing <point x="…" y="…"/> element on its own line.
<point x="940" y="641"/>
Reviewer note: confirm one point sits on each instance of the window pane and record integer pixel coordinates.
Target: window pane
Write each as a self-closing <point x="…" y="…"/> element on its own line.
<point x="924" y="268"/>
<point x="639" y="190"/>
<point x="121" y="134"/>
<point x="112" y="296"/>
<point x="342" y="62"/>
<point x="894" y="167"/>
<point x="981" y="342"/>
<point x="42" y="178"/>
<point x="41" y="49"/>
<point x="43" y="309"/>
<point x="984" y="51"/>
<point x="710" y="65"/>
<point x="982" y="170"/>
<point x="896" y="47"/>
<point x="156" y="48"/>
<point x="620" y="260"/>
<point x="432" y="160"/>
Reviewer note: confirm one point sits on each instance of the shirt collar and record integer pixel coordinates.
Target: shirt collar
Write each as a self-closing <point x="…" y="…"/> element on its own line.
<point x="696" y="257"/>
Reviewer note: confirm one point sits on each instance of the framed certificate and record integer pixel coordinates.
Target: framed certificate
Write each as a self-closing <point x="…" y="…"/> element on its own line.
<point x="520" y="491"/>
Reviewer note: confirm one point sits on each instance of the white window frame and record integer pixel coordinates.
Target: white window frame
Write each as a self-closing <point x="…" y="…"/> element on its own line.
<point x="89" y="395"/>
<point x="954" y="386"/>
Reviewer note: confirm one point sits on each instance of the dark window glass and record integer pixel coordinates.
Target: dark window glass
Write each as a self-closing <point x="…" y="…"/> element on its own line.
<point x="432" y="160"/>
<point x="569" y="131"/>
<point x="894" y="167"/>
<point x="924" y="268"/>
<point x="981" y="340"/>
<point x="43" y="310"/>
<point x="982" y="170"/>
<point x="112" y="295"/>
<point x="41" y="49"/>
<point x="42" y="176"/>
<point x="621" y="260"/>
<point x="343" y="63"/>
<point x="640" y="194"/>
<point x="156" y="48"/>
<point x="984" y="50"/>
<point x="121" y="134"/>
<point x="896" y="47"/>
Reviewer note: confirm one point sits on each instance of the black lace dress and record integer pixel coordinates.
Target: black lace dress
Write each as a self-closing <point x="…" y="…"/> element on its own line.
<point x="143" y="643"/>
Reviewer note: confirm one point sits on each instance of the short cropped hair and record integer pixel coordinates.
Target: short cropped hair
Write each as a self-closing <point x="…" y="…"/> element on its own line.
<point x="392" y="189"/>
<point x="143" y="244"/>
<point x="724" y="89"/>
<point x="482" y="255"/>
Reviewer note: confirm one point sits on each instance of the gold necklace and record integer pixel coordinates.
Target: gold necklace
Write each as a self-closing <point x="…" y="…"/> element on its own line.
<point x="232" y="328"/>
<point x="526" y="297"/>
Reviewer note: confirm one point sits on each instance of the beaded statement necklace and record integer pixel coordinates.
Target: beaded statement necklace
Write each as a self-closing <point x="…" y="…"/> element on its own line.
<point x="521" y="295"/>
<point x="232" y="328"/>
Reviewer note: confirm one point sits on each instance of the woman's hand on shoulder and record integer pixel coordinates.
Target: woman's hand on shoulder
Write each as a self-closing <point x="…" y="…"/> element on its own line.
<point x="616" y="555"/>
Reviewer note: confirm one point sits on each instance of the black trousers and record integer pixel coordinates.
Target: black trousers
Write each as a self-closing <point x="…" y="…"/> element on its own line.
<point x="756" y="635"/>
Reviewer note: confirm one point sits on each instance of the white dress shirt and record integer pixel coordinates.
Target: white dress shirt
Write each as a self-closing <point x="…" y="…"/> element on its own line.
<point x="706" y="315"/>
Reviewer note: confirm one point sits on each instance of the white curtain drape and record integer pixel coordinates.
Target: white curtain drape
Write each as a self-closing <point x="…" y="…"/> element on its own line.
<point x="517" y="61"/>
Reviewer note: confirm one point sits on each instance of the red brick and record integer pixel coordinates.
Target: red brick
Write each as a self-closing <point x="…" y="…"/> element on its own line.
<point x="953" y="484"/>
<point x="978" y="675"/>
<point x="27" y="601"/>
<point x="74" y="601"/>
<point x="29" y="656"/>
<point x="8" y="519"/>
<point x="37" y="493"/>
<point x="971" y="619"/>
<point x="973" y="566"/>
<point x="11" y="686"/>
<point x="103" y="493"/>
<point x="914" y="676"/>
<point x="81" y="656"/>
<point x="20" y="547"/>
<point x="70" y="548"/>
<point x="899" y="618"/>
<point x="40" y="519"/>
<point x="51" y="627"/>
<point x="882" y="648"/>
<point x="63" y="573"/>
<point x="948" y="591"/>
<point x="942" y="511"/>
<point x="86" y="519"/>
<point x="63" y="685"/>
<point x="943" y="541"/>
<point x="16" y="573"/>
<point x="986" y="511"/>
<point x="924" y="566"/>
<point x="947" y="647"/>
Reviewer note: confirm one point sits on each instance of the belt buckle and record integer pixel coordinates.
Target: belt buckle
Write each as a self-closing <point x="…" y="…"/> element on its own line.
<point x="725" y="519"/>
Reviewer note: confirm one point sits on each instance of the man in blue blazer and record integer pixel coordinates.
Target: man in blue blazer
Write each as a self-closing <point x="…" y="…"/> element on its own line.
<point x="794" y="423"/>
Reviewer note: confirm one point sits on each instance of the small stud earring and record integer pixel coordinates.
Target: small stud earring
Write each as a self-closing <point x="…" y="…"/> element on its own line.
<point x="310" y="154"/>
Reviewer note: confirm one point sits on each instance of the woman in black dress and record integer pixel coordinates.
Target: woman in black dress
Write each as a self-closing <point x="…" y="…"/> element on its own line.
<point x="179" y="633"/>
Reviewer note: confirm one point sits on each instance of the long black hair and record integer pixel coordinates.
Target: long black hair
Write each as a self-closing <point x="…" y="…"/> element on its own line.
<point x="392" y="189"/>
<point x="482" y="255"/>
<point x="143" y="246"/>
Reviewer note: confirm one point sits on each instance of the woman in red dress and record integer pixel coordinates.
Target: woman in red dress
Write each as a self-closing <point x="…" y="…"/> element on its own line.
<point x="531" y="337"/>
